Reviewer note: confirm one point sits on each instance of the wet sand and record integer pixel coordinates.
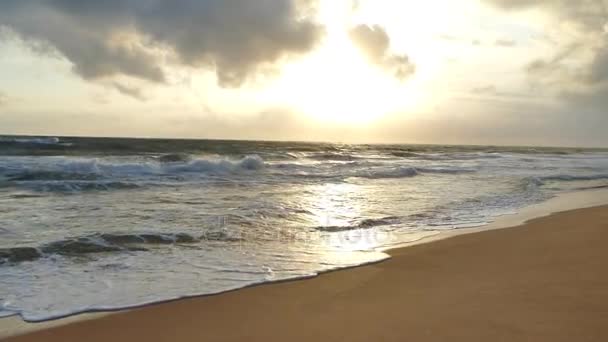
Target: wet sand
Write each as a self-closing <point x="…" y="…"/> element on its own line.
<point x="546" y="280"/>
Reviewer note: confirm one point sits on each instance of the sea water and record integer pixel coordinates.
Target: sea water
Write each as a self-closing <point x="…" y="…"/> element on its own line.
<point x="92" y="224"/>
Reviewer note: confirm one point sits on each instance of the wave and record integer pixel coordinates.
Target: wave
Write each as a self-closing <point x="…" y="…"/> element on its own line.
<point x="567" y="178"/>
<point x="364" y="224"/>
<point x="337" y="156"/>
<point x="249" y="163"/>
<point x="406" y="154"/>
<point x="174" y="158"/>
<point x="107" y="243"/>
<point x="58" y="168"/>
<point x="75" y="186"/>
<point x="398" y="172"/>
<point x="445" y="170"/>
<point x="31" y="141"/>
<point x="50" y="175"/>
<point x="446" y="155"/>
<point x="19" y="254"/>
<point x="406" y="172"/>
<point x="95" y="174"/>
<point x="533" y="183"/>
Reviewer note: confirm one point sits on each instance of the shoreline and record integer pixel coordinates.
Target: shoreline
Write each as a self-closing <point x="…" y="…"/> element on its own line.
<point x="562" y="204"/>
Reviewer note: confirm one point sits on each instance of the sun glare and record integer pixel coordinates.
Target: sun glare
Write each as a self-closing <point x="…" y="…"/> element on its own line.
<point x="337" y="83"/>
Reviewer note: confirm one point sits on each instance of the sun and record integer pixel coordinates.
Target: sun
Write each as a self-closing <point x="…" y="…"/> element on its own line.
<point x="337" y="84"/>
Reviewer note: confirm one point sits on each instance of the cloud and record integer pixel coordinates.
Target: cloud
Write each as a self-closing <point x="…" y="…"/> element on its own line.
<point x="375" y="43"/>
<point x="449" y="37"/>
<point x="3" y="99"/>
<point x="505" y="43"/>
<point x="488" y="89"/>
<point x="138" y="38"/>
<point x="578" y="70"/>
<point x="128" y="90"/>
<point x="579" y="82"/>
<point x="458" y="39"/>
<point x="586" y="14"/>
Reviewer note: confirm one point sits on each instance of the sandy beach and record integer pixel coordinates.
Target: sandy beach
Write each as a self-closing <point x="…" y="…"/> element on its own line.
<point x="303" y="170"/>
<point x="542" y="281"/>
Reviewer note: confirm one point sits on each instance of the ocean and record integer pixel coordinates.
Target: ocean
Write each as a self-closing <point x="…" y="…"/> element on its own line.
<point x="89" y="224"/>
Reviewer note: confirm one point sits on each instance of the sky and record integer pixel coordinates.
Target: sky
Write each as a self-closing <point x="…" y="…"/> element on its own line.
<point x="504" y="72"/>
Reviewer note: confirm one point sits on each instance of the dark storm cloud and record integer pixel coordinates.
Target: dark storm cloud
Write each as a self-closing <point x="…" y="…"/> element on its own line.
<point x="375" y="43"/>
<point x="571" y="73"/>
<point x="137" y="37"/>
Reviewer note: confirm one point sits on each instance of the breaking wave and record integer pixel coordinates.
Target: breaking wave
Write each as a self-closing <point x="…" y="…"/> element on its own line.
<point x="249" y="163"/>
<point x="61" y="168"/>
<point x="70" y="174"/>
<point x="65" y="174"/>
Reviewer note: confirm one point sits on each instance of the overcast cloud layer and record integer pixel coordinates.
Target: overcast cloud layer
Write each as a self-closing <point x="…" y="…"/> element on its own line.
<point x="138" y="37"/>
<point x="578" y="72"/>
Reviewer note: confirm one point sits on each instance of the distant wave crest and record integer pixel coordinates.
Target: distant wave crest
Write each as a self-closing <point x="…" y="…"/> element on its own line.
<point x="31" y="141"/>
